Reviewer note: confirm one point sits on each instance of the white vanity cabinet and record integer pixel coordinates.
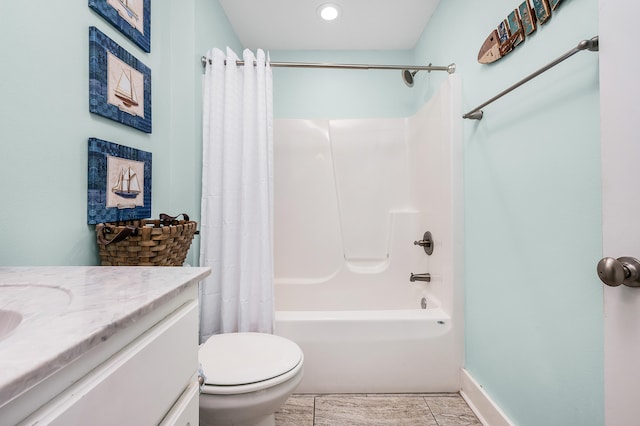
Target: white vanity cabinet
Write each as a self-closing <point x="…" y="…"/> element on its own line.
<point x="136" y="386"/>
<point x="143" y="374"/>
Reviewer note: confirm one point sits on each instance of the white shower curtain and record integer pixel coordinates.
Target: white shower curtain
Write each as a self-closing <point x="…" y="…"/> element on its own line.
<point x="237" y="195"/>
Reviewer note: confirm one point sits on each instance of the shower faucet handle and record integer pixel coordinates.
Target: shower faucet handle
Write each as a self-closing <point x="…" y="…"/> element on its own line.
<point x="420" y="277"/>
<point x="426" y="242"/>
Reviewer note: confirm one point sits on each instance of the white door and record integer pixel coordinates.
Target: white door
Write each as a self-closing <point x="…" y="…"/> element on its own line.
<point x="620" y="131"/>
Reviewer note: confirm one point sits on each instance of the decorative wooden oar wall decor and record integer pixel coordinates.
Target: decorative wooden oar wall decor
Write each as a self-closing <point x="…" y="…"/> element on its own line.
<point x="512" y="31"/>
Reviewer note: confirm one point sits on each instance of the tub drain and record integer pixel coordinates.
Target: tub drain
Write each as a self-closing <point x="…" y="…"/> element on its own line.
<point x="423" y="303"/>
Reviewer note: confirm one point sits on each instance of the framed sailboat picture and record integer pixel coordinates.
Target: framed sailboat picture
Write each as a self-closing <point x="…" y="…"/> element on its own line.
<point x="119" y="84"/>
<point x="131" y="17"/>
<point x="119" y="183"/>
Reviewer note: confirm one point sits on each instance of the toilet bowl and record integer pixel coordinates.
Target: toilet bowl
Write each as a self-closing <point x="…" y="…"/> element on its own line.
<point x="248" y="378"/>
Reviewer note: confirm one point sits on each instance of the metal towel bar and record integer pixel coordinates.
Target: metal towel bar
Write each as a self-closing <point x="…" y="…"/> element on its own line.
<point x="591" y="45"/>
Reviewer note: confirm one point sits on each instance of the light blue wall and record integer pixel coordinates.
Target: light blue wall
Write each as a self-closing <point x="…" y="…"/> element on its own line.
<point x="534" y="333"/>
<point x="534" y="324"/>
<point x="320" y="93"/>
<point x="45" y="121"/>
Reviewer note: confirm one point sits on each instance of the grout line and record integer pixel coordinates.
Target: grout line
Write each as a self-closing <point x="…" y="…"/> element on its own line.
<point x="424" y="398"/>
<point x="314" y="411"/>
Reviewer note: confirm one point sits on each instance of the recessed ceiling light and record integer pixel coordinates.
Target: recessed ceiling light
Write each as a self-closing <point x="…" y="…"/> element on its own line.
<point x="329" y="11"/>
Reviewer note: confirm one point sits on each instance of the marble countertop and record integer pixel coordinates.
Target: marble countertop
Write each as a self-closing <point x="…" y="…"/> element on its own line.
<point x="69" y="310"/>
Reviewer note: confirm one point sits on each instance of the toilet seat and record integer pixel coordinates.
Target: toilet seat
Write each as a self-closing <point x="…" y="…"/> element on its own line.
<point x="236" y="363"/>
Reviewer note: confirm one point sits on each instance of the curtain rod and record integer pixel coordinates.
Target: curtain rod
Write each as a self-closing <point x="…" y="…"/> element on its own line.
<point x="591" y="45"/>
<point x="451" y="68"/>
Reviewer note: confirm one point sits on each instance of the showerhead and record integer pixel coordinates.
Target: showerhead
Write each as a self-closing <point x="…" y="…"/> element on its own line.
<point x="407" y="77"/>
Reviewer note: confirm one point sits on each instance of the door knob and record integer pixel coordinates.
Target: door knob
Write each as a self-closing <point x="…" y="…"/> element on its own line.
<point x="623" y="270"/>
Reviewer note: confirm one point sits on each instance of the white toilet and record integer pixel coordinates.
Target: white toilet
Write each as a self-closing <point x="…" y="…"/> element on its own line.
<point x="248" y="378"/>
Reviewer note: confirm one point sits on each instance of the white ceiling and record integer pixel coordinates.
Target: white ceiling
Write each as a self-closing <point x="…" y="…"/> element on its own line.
<point x="295" y="24"/>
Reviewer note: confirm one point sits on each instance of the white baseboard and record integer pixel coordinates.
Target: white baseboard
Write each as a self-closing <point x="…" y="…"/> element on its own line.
<point x="483" y="407"/>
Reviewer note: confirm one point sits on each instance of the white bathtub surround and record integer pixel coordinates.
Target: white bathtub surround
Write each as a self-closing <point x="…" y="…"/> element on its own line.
<point x="237" y="195"/>
<point x="70" y="315"/>
<point x="351" y="198"/>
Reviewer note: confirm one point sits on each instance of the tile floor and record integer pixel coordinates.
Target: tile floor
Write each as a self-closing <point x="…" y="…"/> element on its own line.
<point x="447" y="409"/>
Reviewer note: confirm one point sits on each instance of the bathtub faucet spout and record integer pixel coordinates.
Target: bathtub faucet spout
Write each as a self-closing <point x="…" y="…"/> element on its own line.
<point x="420" y="277"/>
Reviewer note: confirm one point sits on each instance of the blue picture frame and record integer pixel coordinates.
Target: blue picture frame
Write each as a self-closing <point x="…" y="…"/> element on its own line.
<point x="133" y="20"/>
<point x="119" y="84"/>
<point x="107" y="161"/>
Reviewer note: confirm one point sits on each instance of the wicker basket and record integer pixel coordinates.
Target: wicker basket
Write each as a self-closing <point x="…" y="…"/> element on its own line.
<point x="146" y="242"/>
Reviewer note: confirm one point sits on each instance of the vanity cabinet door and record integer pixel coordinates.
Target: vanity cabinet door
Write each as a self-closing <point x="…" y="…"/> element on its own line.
<point x="186" y="411"/>
<point x="136" y="386"/>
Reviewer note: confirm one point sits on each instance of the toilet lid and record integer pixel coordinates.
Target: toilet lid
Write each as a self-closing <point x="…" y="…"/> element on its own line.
<point x="242" y="358"/>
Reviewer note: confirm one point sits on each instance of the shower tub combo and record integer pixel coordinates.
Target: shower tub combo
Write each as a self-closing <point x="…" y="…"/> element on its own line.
<point x="351" y="197"/>
<point x="393" y="350"/>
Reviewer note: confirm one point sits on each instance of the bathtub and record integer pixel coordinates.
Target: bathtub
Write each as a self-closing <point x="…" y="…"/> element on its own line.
<point x="374" y="351"/>
<point x="350" y="199"/>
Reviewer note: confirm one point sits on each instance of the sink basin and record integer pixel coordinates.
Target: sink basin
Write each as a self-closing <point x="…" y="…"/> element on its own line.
<point x="18" y="302"/>
<point x="8" y="321"/>
<point x="27" y="299"/>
